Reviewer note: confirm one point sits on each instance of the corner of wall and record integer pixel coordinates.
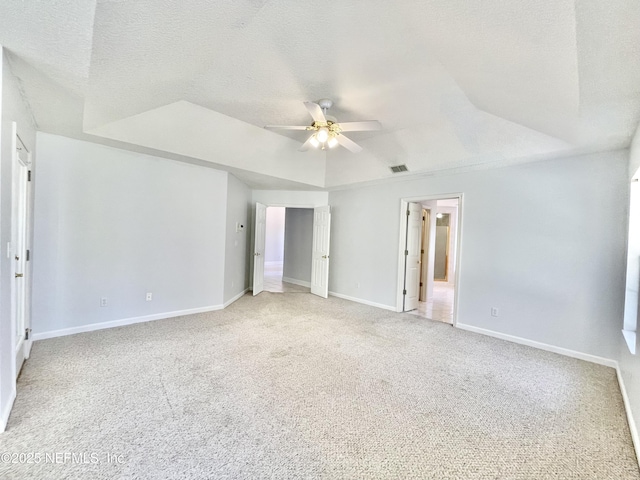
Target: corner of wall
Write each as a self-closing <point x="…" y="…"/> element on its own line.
<point x="238" y="215"/>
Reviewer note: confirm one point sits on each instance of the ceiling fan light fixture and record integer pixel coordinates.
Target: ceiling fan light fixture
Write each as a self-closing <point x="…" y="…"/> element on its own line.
<point x="314" y="141"/>
<point x="323" y="134"/>
<point x="325" y="129"/>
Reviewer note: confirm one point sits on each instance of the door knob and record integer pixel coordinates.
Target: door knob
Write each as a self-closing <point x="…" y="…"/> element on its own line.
<point x="325" y="256"/>
<point x="18" y="275"/>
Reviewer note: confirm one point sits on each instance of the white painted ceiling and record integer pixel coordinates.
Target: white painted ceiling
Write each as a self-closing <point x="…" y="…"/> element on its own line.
<point x="455" y="84"/>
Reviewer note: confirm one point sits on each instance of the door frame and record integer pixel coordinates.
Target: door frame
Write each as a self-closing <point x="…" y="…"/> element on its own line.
<point x="403" y="240"/>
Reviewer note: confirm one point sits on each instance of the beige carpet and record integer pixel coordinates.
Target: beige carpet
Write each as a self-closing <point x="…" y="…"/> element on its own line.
<point x="294" y="386"/>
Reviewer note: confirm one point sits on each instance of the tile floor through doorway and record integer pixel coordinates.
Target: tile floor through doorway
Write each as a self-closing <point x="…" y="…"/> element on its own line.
<point x="273" y="281"/>
<point x="440" y="306"/>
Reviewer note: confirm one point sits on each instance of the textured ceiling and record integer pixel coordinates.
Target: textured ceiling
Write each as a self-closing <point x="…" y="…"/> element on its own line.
<point x="455" y="84"/>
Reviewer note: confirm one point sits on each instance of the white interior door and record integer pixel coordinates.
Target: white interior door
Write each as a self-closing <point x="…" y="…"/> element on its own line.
<point x="260" y="229"/>
<point x="19" y="221"/>
<point x="320" y="251"/>
<point x="412" y="257"/>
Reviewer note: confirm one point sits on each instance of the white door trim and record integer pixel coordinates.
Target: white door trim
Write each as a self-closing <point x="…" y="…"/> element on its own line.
<point x="403" y="239"/>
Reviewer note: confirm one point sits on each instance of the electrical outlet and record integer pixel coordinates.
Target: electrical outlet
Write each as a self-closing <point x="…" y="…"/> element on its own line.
<point x="149" y="296"/>
<point x="103" y="302"/>
<point x="495" y="312"/>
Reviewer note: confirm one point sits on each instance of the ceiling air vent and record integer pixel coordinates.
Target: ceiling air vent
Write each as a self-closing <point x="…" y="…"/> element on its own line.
<point x="399" y="168"/>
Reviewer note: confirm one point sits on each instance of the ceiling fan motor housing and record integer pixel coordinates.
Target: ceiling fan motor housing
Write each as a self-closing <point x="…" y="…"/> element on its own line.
<point x="325" y="104"/>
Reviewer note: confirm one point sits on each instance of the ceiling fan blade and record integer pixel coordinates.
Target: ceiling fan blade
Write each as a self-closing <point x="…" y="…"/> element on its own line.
<point x="285" y="127"/>
<point x="348" y="144"/>
<point x="315" y="111"/>
<point x="306" y="145"/>
<point x="360" y="126"/>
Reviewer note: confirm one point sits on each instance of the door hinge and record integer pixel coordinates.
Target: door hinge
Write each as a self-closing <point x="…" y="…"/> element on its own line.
<point x="408" y="213"/>
<point x="28" y="175"/>
<point x="420" y="283"/>
<point x="28" y="255"/>
<point x="406" y="252"/>
<point x="422" y="251"/>
<point x="404" y="292"/>
<point x="27" y="332"/>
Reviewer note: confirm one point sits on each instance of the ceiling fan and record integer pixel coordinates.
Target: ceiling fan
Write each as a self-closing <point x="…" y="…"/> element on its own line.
<point x="327" y="132"/>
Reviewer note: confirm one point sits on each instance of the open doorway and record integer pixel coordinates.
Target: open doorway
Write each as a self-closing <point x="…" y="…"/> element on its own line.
<point x="288" y="249"/>
<point x="428" y="267"/>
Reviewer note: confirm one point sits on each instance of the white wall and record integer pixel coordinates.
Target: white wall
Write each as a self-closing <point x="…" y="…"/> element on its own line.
<point x="291" y="198"/>
<point x="298" y="238"/>
<point x="274" y="238"/>
<point x="236" y="267"/>
<point x="116" y="224"/>
<point x="555" y="271"/>
<point x="12" y="109"/>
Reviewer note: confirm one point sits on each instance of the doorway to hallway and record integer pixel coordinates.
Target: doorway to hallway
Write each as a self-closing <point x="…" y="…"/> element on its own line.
<point x="288" y="249"/>
<point x="428" y="257"/>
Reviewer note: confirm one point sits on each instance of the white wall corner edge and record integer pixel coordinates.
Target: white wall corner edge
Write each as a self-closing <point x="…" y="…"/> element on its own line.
<point x="4" y="419"/>
<point x="237" y="297"/>
<point x="365" y="302"/>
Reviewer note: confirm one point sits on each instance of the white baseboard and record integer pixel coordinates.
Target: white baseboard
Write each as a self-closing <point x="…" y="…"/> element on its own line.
<point x="237" y="297"/>
<point x="4" y="419"/>
<point x="295" y="281"/>
<point x="607" y="362"/>
<point x="365" y="302"/>
<point x="119" y="323"/>
<point x="627" y="407"/>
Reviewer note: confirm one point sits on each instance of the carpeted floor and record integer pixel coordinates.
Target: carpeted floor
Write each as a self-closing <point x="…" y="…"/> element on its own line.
<point x="294" y="386"/>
